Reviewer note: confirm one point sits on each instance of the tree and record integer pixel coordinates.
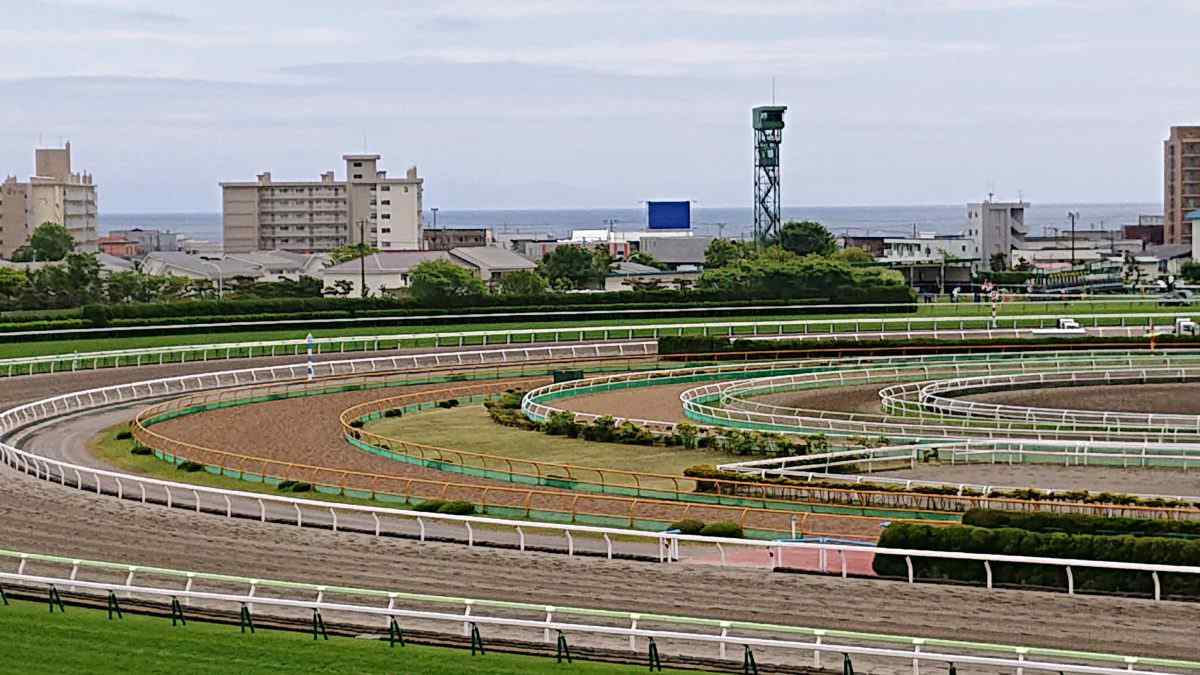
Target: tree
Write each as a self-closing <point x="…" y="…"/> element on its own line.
<point x="1190" y="271"/>
<point x="644" y="258"/>
<point x="571" y="267"/>
<point x="51" y="241"/>
<point x="14" y="285"/>
<point x="349" y="252"/>
<point x="523" y="282"/>
<point x="854" y="254"/>
<point x="806" y="238"/>
<point x="438" y="281"/>
<point x="722" y="252"/>
<point x="71" y="284"/>
<point x="340" y="288"/>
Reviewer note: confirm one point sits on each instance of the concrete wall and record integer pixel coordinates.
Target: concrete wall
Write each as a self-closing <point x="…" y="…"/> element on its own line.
<point x="14" y="230"/>
<point x="239" y="208"/>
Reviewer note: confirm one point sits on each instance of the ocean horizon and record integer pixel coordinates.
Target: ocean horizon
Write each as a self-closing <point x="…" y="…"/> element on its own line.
<point x="734" y="222"/>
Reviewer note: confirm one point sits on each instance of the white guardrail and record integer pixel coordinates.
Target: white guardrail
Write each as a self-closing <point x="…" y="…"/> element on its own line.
<point x="550" y="622"/>
<point x="231" y="503"/>
<point x="852" y="328"/>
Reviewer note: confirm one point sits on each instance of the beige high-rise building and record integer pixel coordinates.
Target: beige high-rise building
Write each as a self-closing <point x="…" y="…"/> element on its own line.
<point x="53" y="195"/>
<point x="1181" y="182"/>
<point x="313" y="216"/>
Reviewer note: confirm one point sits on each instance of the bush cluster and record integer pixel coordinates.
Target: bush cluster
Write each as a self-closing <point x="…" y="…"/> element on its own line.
<point x="294" y="486"/>
<point x="1078" y="523"/>
<point x="123" y="435"/>
<point x="725" y="528"/>
<point x="453" y="508"/>
<point x="189" y="466"/>
<point x="1013" y="541"/>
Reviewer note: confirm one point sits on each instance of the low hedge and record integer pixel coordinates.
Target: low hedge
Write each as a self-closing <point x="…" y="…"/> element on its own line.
<point x="702" y="471"/>
<point x="687" y="526"/>
<point x="453" y="508"/>
<point x="1078" y="523"/>
<point x="669" y="345"/>
<point x="1013" y="541"/>
<point x="727" y="529"/>
<point x="189" y="467"/>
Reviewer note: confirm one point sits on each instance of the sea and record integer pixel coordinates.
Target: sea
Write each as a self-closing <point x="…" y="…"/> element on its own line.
<point x="729" y="222"/>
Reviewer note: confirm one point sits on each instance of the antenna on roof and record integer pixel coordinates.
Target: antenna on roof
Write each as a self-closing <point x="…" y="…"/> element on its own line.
<point x="772" y="90"/>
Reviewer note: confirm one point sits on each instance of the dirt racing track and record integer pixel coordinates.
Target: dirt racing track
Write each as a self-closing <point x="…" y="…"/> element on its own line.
<point x="59" y="501"/>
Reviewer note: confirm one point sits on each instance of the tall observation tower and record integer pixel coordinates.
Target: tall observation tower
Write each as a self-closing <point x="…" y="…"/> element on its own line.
<point x="768" y="135"/>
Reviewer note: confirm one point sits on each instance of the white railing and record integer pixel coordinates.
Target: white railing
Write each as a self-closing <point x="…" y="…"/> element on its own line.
<point x="910" y="326"/>
<point x="623" y="627"/>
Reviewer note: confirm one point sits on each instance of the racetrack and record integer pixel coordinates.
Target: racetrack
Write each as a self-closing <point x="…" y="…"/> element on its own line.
<point x="45" y="517"/>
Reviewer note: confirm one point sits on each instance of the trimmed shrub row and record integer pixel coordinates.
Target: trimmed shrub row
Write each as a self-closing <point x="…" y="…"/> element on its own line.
<point x="1027" y="494"/>
<point x="453" y="508"/>
<point x="1078" y="523"/>
<point x="294" y="486"/>
<point x="1012" y="541"/>
<point x="698" y="344"/>
<point x="725" y="528"/>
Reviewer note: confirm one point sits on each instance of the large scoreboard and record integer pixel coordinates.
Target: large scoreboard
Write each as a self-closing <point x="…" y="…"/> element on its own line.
<point x="669" y="215"/>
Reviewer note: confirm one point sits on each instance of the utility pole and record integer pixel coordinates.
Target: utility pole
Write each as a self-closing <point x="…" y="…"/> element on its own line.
<point x="362" y="259"/>
<point x="1073" y="215"/>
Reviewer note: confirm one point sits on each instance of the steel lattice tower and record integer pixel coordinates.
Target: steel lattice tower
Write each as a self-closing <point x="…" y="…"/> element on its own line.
<point x="768" y="136"/>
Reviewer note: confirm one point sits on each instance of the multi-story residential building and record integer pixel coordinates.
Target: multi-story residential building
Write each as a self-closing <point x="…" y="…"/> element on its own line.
<point x="312" y="216"/>
<point x="997" y="228"/>
<point x="53" y="195"/>
<point x="1181" y="182"/>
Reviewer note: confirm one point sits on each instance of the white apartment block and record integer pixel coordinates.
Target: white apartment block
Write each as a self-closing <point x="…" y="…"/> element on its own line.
<point x="53" y="195"/>
<point x="316" y="216"/>
<point x="996" y="227"/>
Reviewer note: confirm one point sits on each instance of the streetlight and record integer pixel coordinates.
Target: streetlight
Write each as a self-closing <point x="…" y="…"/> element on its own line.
<point x="220" y="277"/>
<point x="362" y="258"/>
<point x="1073" y="215"/>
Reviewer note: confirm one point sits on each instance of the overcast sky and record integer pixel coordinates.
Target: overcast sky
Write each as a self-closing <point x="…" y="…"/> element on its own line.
<point x="571" y="103"/>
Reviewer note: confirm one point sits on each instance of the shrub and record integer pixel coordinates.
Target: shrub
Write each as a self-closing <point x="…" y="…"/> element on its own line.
<point x="285" y="485"/>
<point x="725" y="528"/>
<point x="448" y="403"/>
<point x="457" y="508"/>
<point x="1012" y="541"/>
<point x="123" y="435"/>
<point x="603" y="429"/>
<point x="189" y="466"/>
<point x="1077" y="523"/>
<point x="141" y="450"/>
<point x="687" y="435"/>
<point x="561" y="423"/>
<point x="357" y="424"/>
<point x="688" y="526"/>
<point x="430" y="505"/>
<point x="393" y="412"/>
<point x="302" y="487"/>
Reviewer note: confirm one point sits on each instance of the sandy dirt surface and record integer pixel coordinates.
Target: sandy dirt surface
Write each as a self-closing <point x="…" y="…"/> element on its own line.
<point x="48" y="518"/>
<point x="646" y="403"/>
<point x="857" y="399"/>
<point x="1050" y="477"/>
<point x="1183" y="399"/>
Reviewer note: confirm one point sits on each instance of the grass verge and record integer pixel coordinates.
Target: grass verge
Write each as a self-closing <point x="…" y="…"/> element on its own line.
<point x="85" y="641"/>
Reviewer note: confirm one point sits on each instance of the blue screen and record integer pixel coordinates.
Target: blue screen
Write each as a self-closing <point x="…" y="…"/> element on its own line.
<point x="670" y="215"/>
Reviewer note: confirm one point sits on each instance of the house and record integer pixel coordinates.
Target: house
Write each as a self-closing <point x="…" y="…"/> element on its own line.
<point x="389" y="270"/>
<point x="213" y="268"/>
<point x="676" y="252"/>
<point x="1162" y="260"/>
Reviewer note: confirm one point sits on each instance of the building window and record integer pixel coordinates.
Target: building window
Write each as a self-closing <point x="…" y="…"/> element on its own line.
<point x="387" y="216"/>
<point x="386" y="188"/>
<point x="358" y="175"/>
<point x="405" y="189"/>
<point x="387" y="202"/>
<point x="386" y="230"/>
<point x="357" y="164"/>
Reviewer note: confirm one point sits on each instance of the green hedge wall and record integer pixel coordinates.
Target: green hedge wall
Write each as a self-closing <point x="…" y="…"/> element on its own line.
<point x="1013" y="541"/>
<point x="698" y="344"/>
<point x="1077" y="523"/>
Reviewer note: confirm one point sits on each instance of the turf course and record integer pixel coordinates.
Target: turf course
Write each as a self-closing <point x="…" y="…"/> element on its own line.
<point x="67" y="346"/>
<point x="85" y="641"/>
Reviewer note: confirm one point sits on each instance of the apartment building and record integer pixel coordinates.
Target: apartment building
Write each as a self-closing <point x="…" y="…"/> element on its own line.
<point x="53" y="195"/>
<point x="1181" y="182"/>
<point x="315" y="216"/>
<point x="996" y="227"/>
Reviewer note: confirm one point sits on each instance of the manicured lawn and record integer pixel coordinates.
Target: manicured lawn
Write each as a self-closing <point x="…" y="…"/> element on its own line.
<point x="470" y="428"/>
<point x="85" y="641"/>
<point x="67" y="346"/>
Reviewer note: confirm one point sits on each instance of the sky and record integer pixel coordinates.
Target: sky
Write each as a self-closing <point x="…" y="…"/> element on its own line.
<point x="571" y="103"/>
